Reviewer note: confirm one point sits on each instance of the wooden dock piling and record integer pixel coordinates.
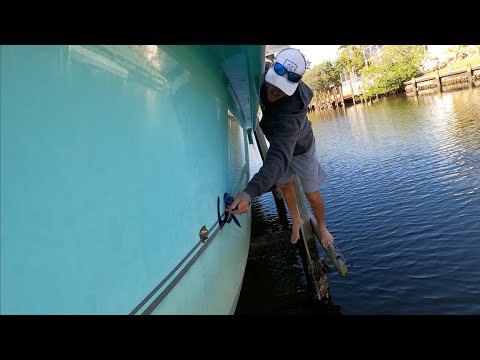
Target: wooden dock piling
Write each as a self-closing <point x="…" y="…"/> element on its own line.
<point x="439" y="82"/>
<point x="341" y="95"/>
<point x="470" y="76"/>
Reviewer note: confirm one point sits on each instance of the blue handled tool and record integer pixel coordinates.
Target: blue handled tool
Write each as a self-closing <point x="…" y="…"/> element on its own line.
<point x="228" y="200"/>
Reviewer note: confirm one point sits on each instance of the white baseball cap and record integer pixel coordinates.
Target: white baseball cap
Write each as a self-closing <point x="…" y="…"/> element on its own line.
<point x="293" y="61"/>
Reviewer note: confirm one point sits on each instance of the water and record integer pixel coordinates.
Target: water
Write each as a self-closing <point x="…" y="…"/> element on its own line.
<point x="403" y="204"/>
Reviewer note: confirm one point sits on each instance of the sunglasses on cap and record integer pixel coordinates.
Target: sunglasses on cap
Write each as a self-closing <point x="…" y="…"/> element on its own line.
<point x="282" y="70"/>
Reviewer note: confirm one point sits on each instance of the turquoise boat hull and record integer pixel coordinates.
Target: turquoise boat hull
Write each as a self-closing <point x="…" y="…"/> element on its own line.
<point x="112" y="160"/>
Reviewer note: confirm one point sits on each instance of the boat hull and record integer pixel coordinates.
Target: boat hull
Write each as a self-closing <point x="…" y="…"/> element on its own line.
<point x="112" y="159"/>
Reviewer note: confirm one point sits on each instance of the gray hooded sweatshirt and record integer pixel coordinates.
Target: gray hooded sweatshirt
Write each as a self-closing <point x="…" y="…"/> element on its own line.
<point x="289" y="132"/>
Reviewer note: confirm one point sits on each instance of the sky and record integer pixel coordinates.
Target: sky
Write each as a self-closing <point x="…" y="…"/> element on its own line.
<point x="317" y="53"/>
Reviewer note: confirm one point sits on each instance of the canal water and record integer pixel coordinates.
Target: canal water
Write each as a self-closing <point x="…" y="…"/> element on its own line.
<point x="402" y="202"/>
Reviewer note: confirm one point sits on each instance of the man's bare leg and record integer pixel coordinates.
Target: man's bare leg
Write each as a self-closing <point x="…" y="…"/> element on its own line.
<point x="291" y="200"/>
<point x="318" y="207"/>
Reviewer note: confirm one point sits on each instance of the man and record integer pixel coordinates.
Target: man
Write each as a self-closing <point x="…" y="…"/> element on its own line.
<point x="284" y="101"/>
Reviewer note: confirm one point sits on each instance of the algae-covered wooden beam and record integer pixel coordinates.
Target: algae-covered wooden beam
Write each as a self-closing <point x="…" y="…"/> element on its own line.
<point x="332" y="251"/>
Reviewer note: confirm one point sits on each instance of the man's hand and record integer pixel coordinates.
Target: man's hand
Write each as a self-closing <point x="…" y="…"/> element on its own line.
<point x="242" y="202"/>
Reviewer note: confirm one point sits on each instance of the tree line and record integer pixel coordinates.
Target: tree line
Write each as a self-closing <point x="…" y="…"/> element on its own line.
<point x="381" y="74"/>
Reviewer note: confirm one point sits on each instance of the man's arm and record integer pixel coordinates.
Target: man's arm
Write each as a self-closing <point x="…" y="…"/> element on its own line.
<point x="282" y="145"/>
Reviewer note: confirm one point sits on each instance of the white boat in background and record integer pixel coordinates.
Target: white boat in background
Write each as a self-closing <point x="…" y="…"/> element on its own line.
<point x="113" y="161"/>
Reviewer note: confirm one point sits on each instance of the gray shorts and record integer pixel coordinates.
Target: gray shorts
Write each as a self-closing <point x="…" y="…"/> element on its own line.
<point x="308" y="169"/>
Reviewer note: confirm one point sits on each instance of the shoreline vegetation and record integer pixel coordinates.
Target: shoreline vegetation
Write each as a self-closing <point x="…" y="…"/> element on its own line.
<point x="391" y="70"/>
